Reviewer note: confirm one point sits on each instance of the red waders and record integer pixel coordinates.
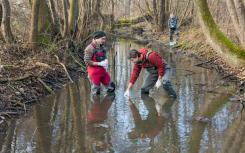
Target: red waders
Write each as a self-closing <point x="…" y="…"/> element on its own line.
<point x="98" y="74"/>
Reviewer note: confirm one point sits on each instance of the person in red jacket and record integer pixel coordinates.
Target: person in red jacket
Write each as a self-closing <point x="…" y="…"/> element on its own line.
<point x="156" y="68"/>
<point x="97" y="63"/>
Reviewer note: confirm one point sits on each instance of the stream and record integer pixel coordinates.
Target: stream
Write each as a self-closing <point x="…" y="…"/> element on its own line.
<point x="71" y="120"/>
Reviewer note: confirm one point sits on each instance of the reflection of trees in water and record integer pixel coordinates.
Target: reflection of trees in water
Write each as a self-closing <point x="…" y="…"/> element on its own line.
<point x="235" y="140"/>
<point x="211" y="106"/>
<point x="77" y="120"/>
<point x="9" y="137"/>
<point x="44" y="128"/>
<point x="69" y="134"/>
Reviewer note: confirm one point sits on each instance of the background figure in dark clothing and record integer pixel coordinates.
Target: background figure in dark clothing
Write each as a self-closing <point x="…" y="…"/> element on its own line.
<point x="173" y="29"/>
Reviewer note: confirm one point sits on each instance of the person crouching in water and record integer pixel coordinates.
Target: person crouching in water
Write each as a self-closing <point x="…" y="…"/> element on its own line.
<point x="97" y="64"/>
<point x="156" y="68"/>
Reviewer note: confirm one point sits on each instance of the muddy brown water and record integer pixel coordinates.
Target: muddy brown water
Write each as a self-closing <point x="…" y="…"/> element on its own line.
<point x="71" y="120"/>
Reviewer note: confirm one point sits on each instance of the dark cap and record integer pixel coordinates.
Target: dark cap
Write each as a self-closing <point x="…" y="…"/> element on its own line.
<point x="133" y="53"/>
<point x="98" y="34"/>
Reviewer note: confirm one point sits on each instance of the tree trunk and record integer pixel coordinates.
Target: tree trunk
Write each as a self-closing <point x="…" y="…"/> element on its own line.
<point x="154" y="4"/>
<point x="1" y="14"/>
<point x="65" y="20"/>
<point x="223" y="45"/>
<point x="6" y="28"/>
<point x="1" y="17"/>
<point x="54" y="17"/>
<point x="240" y="9"/>
<point x="112" y="14"/>
<point x="167" y="7"/>
<point x="85" y="16"/>
<point x="34" y="23"/>
<point x="236" y="10"/>
<point x="98" y="12"/>
<point x="73" y="14"/>
<point x="45" y="20"/>
<point x="162" y="15"/>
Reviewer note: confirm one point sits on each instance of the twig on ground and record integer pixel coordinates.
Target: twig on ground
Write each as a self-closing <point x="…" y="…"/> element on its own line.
<point x="15" y="79"/>
<point x="206" y="62"/>
<point x="45" y="85"/>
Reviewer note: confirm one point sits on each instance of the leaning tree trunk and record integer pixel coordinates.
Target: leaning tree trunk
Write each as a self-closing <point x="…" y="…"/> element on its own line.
<point x="6" y="28"/>
<point x="34" y="23"/>
<point x="232" y="53"/>
<point x="238" y="19"/>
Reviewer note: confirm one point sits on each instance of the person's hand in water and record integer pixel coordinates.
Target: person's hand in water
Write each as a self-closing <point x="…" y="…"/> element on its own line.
<point x="158" y="83"/>
<point x="127" y="93"/>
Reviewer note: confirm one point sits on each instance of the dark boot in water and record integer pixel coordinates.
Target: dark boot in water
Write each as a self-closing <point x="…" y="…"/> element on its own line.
<point x="169" y="89"/>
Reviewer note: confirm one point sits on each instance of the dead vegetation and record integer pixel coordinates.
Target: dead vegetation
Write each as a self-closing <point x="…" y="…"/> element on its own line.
<point x="27" y="75"/>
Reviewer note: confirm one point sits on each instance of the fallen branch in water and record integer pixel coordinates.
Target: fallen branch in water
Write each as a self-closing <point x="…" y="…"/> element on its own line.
<point x="15" y="79"/>
<point x="45" y="85"/>
<point x="58" y="61"/>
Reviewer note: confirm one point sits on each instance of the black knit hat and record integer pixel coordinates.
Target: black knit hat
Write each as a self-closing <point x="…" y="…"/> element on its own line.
<point x="98" y="34"/>
<point x="133" y="53"/>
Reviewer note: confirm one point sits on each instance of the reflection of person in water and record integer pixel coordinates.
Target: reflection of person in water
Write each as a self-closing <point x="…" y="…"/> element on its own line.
<point x="99" y="109"/>
<point x="96" y="116"/>
<point x="149" y="127"/>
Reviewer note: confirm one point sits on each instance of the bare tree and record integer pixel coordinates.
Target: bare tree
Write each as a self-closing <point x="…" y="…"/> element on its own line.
<point x="97" y="12"/>
<point x="162" y="16"/>
<point x="6" y="28"/>
<point x="45" y="20"/>
<point x="65" y="18"/>
<point x="236" y="10"/>
<point x="1" y="14"/>
<point x="85" y="19"/>
<point x="73" y="15"/>
<point x="112" y="13"/>
<point x="34" y="23"/>
<point x="155" y="14"/>
<point x="54" y="17"/>
<point x="218" y="40"/>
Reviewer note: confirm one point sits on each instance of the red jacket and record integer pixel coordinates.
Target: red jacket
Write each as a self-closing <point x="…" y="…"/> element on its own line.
<point x="154" y="58"/>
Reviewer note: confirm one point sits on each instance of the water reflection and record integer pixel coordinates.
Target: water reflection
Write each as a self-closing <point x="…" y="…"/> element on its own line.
<point x="98" y="133"/>
<point x="149" y="127"/>
<point x="73" y="121"/>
